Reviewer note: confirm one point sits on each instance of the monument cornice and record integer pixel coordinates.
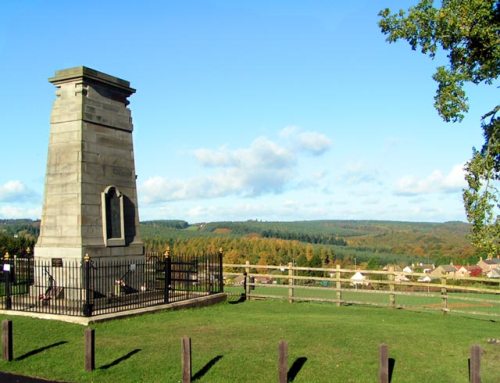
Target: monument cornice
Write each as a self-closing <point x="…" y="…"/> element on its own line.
<point x="86" y="73"/>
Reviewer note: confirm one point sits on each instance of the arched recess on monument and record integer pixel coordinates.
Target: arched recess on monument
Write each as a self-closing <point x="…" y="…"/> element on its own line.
<point x="118" y="217"/>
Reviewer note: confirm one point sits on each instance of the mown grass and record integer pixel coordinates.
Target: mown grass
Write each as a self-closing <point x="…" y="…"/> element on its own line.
<point x="488" y="304"/>
<point x="238" y="343"/>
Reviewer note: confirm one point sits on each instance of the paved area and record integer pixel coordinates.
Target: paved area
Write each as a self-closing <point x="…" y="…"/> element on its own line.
<point x="11" y="378"/>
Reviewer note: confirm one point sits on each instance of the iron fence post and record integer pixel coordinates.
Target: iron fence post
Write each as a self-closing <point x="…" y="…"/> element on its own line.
<point x="221" y="276"/>
<point x="167" y="268"/>
<point x="7" y="276"/>
<point x="245" y="277"/>
<point x="209" y="285"/>
<point x="31" y="268"/>
<point x="87" y="307"/>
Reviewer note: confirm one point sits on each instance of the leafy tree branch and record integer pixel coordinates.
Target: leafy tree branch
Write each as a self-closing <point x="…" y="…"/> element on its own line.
<point x="469" y="33"/>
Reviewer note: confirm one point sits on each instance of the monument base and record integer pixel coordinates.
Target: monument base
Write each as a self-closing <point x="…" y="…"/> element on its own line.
<point x="112" y="271"/>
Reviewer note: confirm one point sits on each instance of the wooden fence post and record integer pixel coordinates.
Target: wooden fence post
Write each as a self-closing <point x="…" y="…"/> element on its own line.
<point x="186" y="359"/>
<point x="392" y="295"/>
<point x="475" y="364"/>
<point x="383" y="371"/>
<point x="290" y="282"/>
<point x="7" y="340"/>
<point x="444" y="295"/>
<point x="283" y="362"/>
<point x="338" y="286"/>
<point x="89" y="349"/>
<point x="247" y="279"/>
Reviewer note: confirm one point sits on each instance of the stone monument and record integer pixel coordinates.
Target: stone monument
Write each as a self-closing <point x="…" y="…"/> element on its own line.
<point x="90" y="201"/>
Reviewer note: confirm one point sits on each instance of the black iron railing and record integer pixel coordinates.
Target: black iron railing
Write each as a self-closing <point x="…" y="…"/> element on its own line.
<point x="92" y="287"/>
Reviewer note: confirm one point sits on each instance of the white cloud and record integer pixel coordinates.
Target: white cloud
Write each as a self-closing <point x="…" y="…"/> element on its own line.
<point x="357" y="172"/>
<point x="313" y="142"/>
<point x="262" y="152"/>
<point x="312" y="204"/>
<point x="436" y="182"/>
<point x="216" y="158"/>
<point x="264" y="167"/>
<point x="13" y="212"/>
<point x="15" y="191"/>
<point x="307" y="141"/>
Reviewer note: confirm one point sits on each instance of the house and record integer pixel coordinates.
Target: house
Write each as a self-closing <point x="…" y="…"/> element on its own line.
<point x="444" y="270"/>
<point x="401" y="278"/>
<point x="407" y="269"/>
<point x="239" y="280"/>
<point x="474" y="271"/>
<point x="395" y="267"/>
<point x="461" y="271"/>
<point x="425" y="279"/>
<point x="358" y="279"/>
<point x="423" y="267"/>
<point x="468" y="271"/>
<point x="489" y="264"/>
<point x="494" y="273"/>
<point x="263" y="280"/>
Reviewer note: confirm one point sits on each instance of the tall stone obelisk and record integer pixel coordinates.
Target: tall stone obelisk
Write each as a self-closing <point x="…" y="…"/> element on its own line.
<point x="90" y="202"/>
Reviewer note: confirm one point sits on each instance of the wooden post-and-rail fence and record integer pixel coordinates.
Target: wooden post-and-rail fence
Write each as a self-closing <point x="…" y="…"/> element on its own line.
<point x="283" y="373"/>
<point x="294" y="279"/>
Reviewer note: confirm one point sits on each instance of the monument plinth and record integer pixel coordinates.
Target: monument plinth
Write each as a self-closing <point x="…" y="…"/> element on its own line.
<point x="90" y="201"/>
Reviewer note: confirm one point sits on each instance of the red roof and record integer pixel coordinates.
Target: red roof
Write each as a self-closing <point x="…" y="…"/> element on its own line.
<point x="474" y="271"/>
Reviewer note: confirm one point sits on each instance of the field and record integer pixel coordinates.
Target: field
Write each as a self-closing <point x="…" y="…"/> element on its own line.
<point x="238" y="343"/>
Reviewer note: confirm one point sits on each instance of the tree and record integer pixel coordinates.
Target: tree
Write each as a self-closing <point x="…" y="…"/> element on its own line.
<point x="373" y="263"/>
<point x="469" y="32"/>
<point x="481" y="198"/>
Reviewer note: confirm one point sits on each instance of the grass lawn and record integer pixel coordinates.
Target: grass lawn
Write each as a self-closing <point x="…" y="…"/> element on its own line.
<point x="465" y="302"/>
<point x="239" y="342"/>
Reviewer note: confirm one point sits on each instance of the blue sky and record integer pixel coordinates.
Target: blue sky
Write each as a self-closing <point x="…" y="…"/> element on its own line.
<point x="271" y="110"/>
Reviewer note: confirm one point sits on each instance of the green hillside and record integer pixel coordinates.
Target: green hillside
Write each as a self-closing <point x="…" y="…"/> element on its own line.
<point x="321" y="242"/>
<point x="379" y="241"/>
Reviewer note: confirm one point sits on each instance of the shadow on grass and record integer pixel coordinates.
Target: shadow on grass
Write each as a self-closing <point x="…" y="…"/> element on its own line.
<point x="295" y="368"/>
<point x="120" y="359"/>
<point x="241" y="299"/>
<point x="206" y="368"/>
<point x="392" y="364"/>
<point x="39" y="350"/>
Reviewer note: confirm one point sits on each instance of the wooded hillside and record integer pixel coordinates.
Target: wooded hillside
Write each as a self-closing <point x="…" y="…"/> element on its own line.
<point x="345" y="242"/>
<point x="307" y="243"/>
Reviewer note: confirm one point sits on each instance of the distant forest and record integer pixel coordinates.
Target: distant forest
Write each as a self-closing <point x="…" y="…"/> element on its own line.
<point x="307" y="243"/>
<point x="372" y="243"/>
<point x="18" y="236"/>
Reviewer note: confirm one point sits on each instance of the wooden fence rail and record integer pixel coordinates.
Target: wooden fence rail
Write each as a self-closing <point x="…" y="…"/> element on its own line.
<point x="392" y="283"/>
